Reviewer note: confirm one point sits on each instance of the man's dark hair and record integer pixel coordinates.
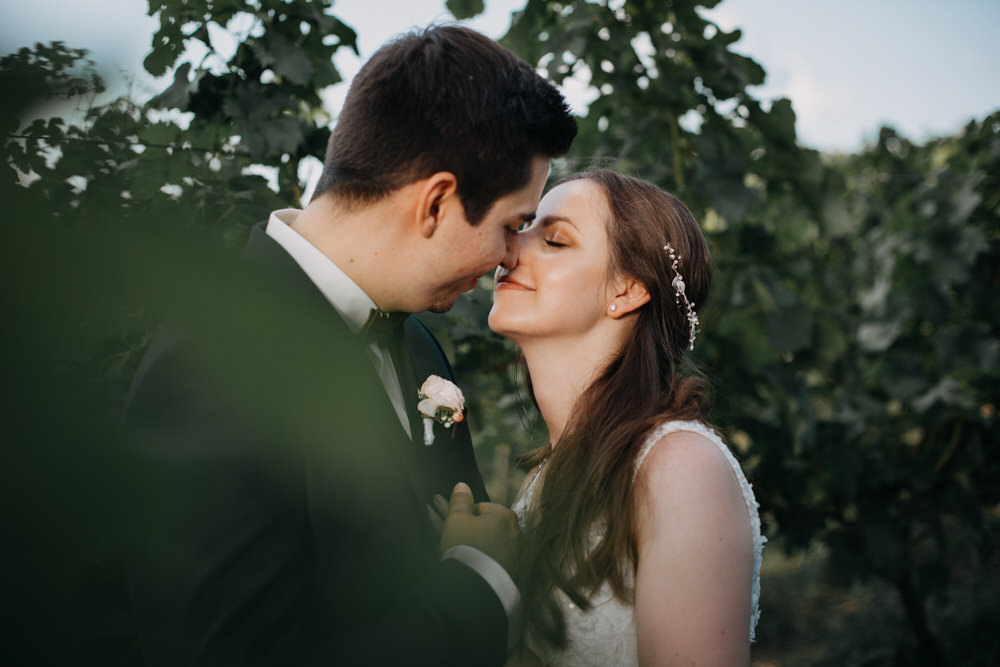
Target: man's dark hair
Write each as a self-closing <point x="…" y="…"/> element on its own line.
<point x="444" y="98"/>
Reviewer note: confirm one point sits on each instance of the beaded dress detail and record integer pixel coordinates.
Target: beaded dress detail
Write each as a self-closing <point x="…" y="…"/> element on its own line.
<point x="605" y="634"/>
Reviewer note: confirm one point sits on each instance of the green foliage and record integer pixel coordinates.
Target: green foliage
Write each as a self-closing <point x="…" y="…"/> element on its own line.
<point x="262" y="106"/>
<point x="853" y="332"/>
<point x="147" y="173"/>
<point x="465" y="9"/>
<point x="40" y="76"/>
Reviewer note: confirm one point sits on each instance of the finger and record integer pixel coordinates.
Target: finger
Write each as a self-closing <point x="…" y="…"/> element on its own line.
<point x="461" y="499"/>
<point x="497" y="513"/>
<point x="440" y="506"/>
<point x="491" y="508"/>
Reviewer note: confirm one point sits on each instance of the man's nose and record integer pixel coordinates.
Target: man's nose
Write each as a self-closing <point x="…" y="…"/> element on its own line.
<point x="509" y="260"/>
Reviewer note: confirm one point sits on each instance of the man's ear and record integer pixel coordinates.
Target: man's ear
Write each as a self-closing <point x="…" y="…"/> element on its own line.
<point x="437" y="194"/>
<point x="629" y="295"/>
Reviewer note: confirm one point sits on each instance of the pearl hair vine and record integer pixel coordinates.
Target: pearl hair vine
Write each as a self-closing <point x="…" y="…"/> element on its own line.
<point x="679" y="294"/>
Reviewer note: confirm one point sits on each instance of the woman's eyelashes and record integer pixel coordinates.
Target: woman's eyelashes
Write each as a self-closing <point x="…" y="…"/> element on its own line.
<point x="557" y="237"/>
<point x="548" y="232"/>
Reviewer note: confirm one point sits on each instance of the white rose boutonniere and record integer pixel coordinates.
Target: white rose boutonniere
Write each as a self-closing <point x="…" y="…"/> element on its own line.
<point x="440" y="401"/>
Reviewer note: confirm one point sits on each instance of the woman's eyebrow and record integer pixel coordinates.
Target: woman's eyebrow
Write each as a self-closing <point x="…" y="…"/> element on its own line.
<point x="552" y="219"/>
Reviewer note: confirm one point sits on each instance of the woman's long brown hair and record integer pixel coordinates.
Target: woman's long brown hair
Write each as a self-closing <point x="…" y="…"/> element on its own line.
<point x="589" y="474"/>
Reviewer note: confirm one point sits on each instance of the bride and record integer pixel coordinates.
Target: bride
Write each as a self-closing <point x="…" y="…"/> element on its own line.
<point x="642" y="542"/>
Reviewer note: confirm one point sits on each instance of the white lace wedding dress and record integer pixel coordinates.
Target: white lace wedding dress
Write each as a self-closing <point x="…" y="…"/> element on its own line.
<point x="605" y="635"/>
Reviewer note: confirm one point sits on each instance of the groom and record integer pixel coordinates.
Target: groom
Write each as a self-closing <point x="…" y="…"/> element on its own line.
<point x="285" y="518"/>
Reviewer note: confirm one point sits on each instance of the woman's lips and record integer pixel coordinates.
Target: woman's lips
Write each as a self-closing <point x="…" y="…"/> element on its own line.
<point x="507" y="282"/>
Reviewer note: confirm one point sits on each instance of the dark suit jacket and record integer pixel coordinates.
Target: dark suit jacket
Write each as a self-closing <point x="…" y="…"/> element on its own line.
<point x="284" y="518"/>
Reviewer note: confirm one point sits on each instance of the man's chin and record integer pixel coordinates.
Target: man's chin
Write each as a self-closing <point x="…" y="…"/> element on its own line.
<point x="442" y="306"/>
<point x="444" y="303"/>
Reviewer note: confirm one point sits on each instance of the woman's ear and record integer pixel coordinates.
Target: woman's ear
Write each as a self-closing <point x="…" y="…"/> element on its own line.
<point x="630" y="294"/>
<point x="437" y="192"/>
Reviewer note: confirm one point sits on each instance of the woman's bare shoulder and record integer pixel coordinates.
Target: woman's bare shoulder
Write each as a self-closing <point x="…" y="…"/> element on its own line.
<point x="686" y="477"/>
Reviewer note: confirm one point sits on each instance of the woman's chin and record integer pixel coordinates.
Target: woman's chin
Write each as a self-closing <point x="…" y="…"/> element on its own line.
<point x="500" y="323"/>
<point x="495" y="321"/>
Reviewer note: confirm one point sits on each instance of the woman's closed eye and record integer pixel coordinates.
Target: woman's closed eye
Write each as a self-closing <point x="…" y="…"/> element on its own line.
<point x="556" y="238"/>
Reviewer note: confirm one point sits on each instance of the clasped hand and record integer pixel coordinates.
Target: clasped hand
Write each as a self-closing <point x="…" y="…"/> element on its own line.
<point x="489" y="527"/>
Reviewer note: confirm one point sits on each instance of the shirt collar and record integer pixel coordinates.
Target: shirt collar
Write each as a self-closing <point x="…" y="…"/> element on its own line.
<point x="349" y="300"/>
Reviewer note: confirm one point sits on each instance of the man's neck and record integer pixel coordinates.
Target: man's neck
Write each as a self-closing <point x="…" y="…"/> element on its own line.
<point x="362" y="240"/>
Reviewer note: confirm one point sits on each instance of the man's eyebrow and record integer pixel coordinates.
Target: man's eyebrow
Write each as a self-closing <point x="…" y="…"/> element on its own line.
<point x="528" y="217"/>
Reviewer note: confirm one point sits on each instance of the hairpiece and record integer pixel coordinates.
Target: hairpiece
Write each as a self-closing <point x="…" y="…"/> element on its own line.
<point x="679" y="294"/>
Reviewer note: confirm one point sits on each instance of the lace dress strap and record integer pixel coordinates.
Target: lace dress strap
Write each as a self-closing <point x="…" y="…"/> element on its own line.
<point x="751" y="502"/>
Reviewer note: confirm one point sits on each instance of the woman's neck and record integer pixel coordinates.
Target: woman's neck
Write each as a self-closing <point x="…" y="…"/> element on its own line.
<point x="562" y="369"/>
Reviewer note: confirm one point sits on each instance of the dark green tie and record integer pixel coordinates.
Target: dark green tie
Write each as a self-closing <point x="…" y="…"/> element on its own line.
<point x="386" y="331"/>
<point x="381" y="327"/>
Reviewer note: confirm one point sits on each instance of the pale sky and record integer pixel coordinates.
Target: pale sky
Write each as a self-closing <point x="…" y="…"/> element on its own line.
<point x="925" y="67"/>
